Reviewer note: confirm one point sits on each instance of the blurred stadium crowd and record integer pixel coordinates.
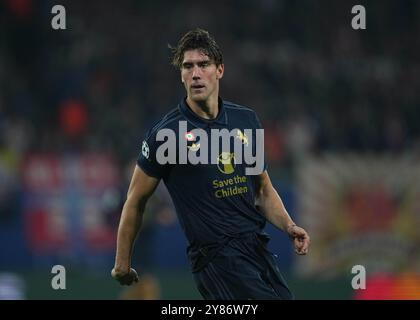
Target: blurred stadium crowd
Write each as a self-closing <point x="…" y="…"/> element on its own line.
<point x="317" y="84"/>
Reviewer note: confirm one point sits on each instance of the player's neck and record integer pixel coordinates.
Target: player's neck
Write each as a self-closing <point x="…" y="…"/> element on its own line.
<point x="208" y="109"/>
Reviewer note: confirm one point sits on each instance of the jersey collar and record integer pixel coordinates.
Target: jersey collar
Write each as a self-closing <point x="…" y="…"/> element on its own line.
<point x="200" y="122"/>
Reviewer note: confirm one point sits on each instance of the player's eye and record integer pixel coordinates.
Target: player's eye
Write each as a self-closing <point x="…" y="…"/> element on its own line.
<point x="204" y="64"/>
<point x="187" y="66"/>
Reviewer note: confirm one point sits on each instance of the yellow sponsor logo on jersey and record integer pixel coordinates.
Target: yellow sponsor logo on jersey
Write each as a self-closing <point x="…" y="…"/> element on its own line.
<point x="230" y="187"/>
<point x="226" y="162"/>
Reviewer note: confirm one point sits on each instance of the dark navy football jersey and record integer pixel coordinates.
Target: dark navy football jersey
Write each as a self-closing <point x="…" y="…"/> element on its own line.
<point x="214" y="201"/>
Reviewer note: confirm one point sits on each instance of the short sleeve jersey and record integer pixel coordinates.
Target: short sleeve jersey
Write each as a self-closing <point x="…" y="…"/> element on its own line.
<point x="213" y="199"/>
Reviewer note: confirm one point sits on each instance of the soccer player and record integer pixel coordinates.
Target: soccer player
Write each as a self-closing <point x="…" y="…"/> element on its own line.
<point x="221" y="209"/>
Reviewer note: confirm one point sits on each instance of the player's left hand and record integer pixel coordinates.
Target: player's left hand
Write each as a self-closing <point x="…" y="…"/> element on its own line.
<point x="301" y="239"/>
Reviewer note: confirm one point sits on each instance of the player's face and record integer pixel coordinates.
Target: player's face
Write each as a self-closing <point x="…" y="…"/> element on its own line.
<point x="200" y="75"/>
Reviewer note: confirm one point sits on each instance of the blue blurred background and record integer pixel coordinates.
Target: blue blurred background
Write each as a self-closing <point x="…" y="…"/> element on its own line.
<point x="340" y="109"/>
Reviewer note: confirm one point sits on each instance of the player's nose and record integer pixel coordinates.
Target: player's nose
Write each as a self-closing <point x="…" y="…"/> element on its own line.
<point x="196" y="73"/>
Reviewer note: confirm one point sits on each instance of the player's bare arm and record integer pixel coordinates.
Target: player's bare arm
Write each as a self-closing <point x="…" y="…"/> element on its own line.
<point x="270" y="204"/>
<point x="141" y="188"/>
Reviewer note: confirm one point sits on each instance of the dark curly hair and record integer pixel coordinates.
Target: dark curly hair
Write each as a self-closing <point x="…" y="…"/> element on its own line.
<point x="196" y="39"/>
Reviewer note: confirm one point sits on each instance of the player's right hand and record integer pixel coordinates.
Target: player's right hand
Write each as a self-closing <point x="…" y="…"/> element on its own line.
<point x="125" y="278"/>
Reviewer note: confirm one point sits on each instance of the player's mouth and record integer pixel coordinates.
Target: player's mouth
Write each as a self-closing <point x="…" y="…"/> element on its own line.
<point x="197" y="87"/>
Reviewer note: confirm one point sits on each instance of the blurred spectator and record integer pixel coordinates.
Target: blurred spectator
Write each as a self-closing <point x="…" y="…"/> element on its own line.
<point x="73" y="118"/>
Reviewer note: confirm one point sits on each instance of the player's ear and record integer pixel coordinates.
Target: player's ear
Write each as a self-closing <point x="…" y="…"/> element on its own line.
<point x="219" y="71"/>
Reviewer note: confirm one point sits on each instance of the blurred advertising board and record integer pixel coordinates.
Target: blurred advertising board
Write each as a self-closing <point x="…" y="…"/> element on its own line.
<point x="69" y="203"/>
<point x="360" y="210"/>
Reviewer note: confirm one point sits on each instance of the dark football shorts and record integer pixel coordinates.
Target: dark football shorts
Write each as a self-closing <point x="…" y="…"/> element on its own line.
<point x="243" y="269"/>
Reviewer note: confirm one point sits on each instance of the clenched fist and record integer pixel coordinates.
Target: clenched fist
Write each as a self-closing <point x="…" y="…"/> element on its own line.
<point x="125" y="278"/>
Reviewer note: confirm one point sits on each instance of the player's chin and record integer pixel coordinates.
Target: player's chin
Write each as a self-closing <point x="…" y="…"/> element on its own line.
<point x="198" y="99"/>
<point x="198" y="96"/>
